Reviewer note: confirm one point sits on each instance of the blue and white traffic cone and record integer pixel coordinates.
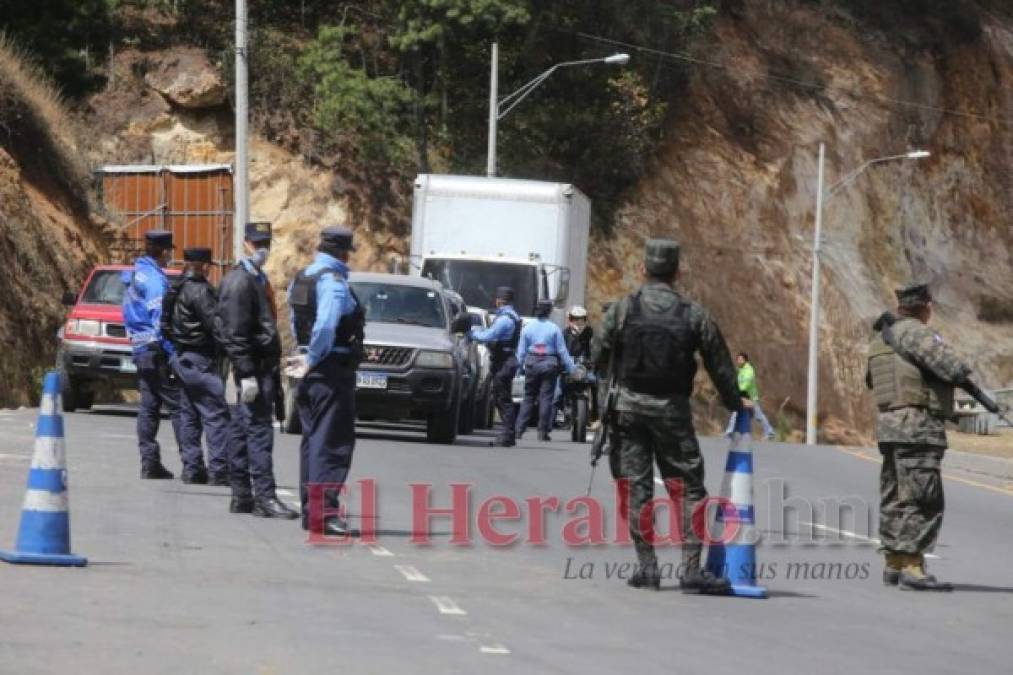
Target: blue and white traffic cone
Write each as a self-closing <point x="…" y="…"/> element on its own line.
<point x="44" y="535"/>
<point x="736" y="558"/>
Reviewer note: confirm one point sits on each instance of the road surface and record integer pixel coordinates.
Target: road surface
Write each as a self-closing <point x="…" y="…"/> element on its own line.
<point x="177" y="584"/>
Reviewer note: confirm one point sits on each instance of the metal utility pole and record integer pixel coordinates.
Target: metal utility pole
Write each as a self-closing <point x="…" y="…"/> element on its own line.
<point x="490" y="167"/>
<point x="814" y="312"/>
<point x="241" y="178"/>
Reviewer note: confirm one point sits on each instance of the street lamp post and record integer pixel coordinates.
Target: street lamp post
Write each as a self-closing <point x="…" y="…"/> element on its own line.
<point x="511" y="100"/>
<point x="814" y="303"/>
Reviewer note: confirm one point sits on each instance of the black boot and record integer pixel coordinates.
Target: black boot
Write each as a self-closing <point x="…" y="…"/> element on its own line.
<point x="697" y="580"/>
<point x="198" y="476"/>
<point x="646" y="577"/>
<point x="155" y="471"/>
<point x="336" y="526"/>
<point x="544" y="436"/>
<point x="273" y="508"/>
<point x="241" y="504"/>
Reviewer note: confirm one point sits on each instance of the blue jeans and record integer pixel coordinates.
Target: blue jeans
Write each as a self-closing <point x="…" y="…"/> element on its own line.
<point x="758" y="416"/>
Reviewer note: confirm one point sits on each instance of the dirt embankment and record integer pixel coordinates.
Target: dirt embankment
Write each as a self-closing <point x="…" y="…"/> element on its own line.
<point x="48" y="238"/>
<point x="735" y="183"/>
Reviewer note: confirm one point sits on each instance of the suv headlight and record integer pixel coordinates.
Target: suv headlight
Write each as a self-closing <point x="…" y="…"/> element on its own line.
<point x="434" y="360"/>
<point x="85" y="327"/>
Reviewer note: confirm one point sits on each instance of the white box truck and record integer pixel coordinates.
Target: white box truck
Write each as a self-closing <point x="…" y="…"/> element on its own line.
<point x="473" y="233"/>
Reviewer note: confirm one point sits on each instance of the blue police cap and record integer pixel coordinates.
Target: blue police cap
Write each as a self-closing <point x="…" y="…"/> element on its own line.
<point x="197" y="254"/>
<point x="258" y="232"/>
<point x="162" y="238"/>
<point x="338" y="238"/>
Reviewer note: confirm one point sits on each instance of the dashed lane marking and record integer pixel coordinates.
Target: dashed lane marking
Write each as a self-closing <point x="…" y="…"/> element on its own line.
<point x="495" y="648"/>
<point x="853" y="535"/>
<point x="411" y="573"/>
<point x="378" y="550"/>
<point x="446" y="605"/>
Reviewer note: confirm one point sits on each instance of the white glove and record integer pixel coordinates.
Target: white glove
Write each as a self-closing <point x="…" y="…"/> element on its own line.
<point x="248" y="389"/>
<point x="297" y="366"/>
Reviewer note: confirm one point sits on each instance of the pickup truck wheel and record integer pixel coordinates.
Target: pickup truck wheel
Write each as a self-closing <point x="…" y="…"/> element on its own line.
<point x="466" y="422"/>
<point x="68" y="393"/>
<point x="442" y="427"/>
<point x="292" y="423"/>
<point x="85" y="399"/>
<point x="483" y="412"/>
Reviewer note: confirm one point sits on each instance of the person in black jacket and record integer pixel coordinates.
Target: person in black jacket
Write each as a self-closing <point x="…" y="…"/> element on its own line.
<point x="188" y="318"/>
<point x="249" y="331"/>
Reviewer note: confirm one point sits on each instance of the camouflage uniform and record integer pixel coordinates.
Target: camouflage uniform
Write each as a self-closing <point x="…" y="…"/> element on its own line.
<point x="652" y="428"/>
<point x="912" y="438"/>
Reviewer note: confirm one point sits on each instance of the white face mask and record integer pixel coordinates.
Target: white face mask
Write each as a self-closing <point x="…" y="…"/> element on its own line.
<point x="259" y="256"/>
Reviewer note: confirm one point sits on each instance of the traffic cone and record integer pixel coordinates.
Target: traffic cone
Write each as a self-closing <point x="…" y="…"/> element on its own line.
<point x="736" y="559"/>
<point x="44" y="535"/>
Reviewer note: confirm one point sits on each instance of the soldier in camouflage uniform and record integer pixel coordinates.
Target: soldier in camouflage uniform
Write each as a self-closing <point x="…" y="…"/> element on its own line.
<point x="912" y="373"/>
<point x="654" y="334"/>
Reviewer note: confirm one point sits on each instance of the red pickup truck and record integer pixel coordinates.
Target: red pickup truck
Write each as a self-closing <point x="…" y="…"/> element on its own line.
<point x="93" y="341"/>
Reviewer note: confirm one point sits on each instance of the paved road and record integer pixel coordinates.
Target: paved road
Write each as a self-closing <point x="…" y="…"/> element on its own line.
<point x="177" y="584"/>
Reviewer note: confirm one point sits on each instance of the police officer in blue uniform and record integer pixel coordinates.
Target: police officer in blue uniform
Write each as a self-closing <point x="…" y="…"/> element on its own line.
<point x="502" y="338"/>
<point x="188" y="320"/>
<point x="146" y="285"/>
<point x="543" y="352"/>
<point x="328" y="324"/>
<point x="247" y="320"/>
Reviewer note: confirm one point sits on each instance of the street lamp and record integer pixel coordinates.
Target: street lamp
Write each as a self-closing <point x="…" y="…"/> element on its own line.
<point x="814" y="304"/>
<point x="511" y="100"/>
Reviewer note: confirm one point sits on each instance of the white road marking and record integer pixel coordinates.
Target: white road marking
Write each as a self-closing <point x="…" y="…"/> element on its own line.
<point x="853" y="535"/>
<point x="446" y="605"/>
<point x="378" y="550"/>
<point x="495" y="648"/>
<point x="15" y="458"/>
<point x="287" y="493"/>
<point x="411" y="573"/>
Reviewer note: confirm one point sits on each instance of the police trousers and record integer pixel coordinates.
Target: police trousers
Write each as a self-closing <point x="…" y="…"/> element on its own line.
<point x="503" y="373"/>
<point x="158" y="388"/>
<point x="540" y="376"/>
<point x="203" y="411"/>
<point x="251" y="459"/>
<point x="326" y="404"/>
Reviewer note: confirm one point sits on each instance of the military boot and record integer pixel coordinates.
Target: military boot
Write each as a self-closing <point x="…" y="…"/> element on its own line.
<point x="913" y="577"/>
<point x="695" y="579"/>
<point x="891" y="572"/>
<point x="647" y="577"/>
<point x="155" y="471"/>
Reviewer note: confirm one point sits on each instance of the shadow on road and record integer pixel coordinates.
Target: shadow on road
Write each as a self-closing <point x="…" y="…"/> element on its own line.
<point x="975" y="588"/>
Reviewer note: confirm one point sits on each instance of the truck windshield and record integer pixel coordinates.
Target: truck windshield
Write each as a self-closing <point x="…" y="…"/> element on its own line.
<point x="410" y="305"/>
<point x="105" y="288"/>
<point x="476" y="281"/>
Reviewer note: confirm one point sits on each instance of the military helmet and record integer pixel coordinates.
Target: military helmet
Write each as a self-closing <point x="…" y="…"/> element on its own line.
<point x="661" y="257"/>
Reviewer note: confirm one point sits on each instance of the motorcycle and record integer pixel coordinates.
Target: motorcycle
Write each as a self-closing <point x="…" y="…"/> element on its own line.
<point x="576" y="403"/>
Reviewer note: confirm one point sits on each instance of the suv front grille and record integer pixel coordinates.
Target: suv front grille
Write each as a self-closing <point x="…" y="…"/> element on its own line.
<point x="116" y="330"/>
<point x="379" y="356"/>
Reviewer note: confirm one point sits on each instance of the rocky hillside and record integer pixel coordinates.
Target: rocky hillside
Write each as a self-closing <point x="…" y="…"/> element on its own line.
<point x="736" y="184"/>
<point x="48" y="236"/>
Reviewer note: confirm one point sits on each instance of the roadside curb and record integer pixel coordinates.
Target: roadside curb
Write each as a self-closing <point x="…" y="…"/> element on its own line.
<point x="982" y="465"/>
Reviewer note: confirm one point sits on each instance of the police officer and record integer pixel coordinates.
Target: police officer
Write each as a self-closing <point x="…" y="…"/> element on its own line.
<point x="249" y="332"/>
<point x="142" y="308"/>
<point x="653" y="335"/>
<point x="188" y="319"/>
<point x="543" y="351"/>
<point x="502" y="337"/>
<point x="328" y="324"/>
<point x="912" y="373"/>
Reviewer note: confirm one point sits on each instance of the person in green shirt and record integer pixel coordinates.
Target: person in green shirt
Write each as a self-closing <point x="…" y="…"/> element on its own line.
<point x="748" y="388"/>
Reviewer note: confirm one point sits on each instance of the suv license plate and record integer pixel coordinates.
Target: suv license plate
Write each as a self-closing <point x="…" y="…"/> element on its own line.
<point x="370" y="381"/>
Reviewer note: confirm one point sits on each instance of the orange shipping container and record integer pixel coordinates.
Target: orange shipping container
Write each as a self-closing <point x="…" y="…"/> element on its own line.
<point x="194" y="201"/>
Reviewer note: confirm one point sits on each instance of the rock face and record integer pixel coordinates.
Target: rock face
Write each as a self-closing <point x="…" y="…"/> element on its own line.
<point x="736" y="183"/>
<point x="185" y="77"/>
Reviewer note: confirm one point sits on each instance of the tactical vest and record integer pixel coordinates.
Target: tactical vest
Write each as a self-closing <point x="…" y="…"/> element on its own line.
<point x="657" y="350"/>
<point x="350" y="332"/>
<point x="898" y="383"/>
<point x="504" y="349"/>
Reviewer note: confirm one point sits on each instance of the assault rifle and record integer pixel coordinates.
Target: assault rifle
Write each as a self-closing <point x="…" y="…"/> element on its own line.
<point x="604" y="435"/>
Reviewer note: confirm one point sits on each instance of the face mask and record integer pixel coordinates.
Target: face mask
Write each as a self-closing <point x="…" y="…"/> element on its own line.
<point x="259" y="256"/>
